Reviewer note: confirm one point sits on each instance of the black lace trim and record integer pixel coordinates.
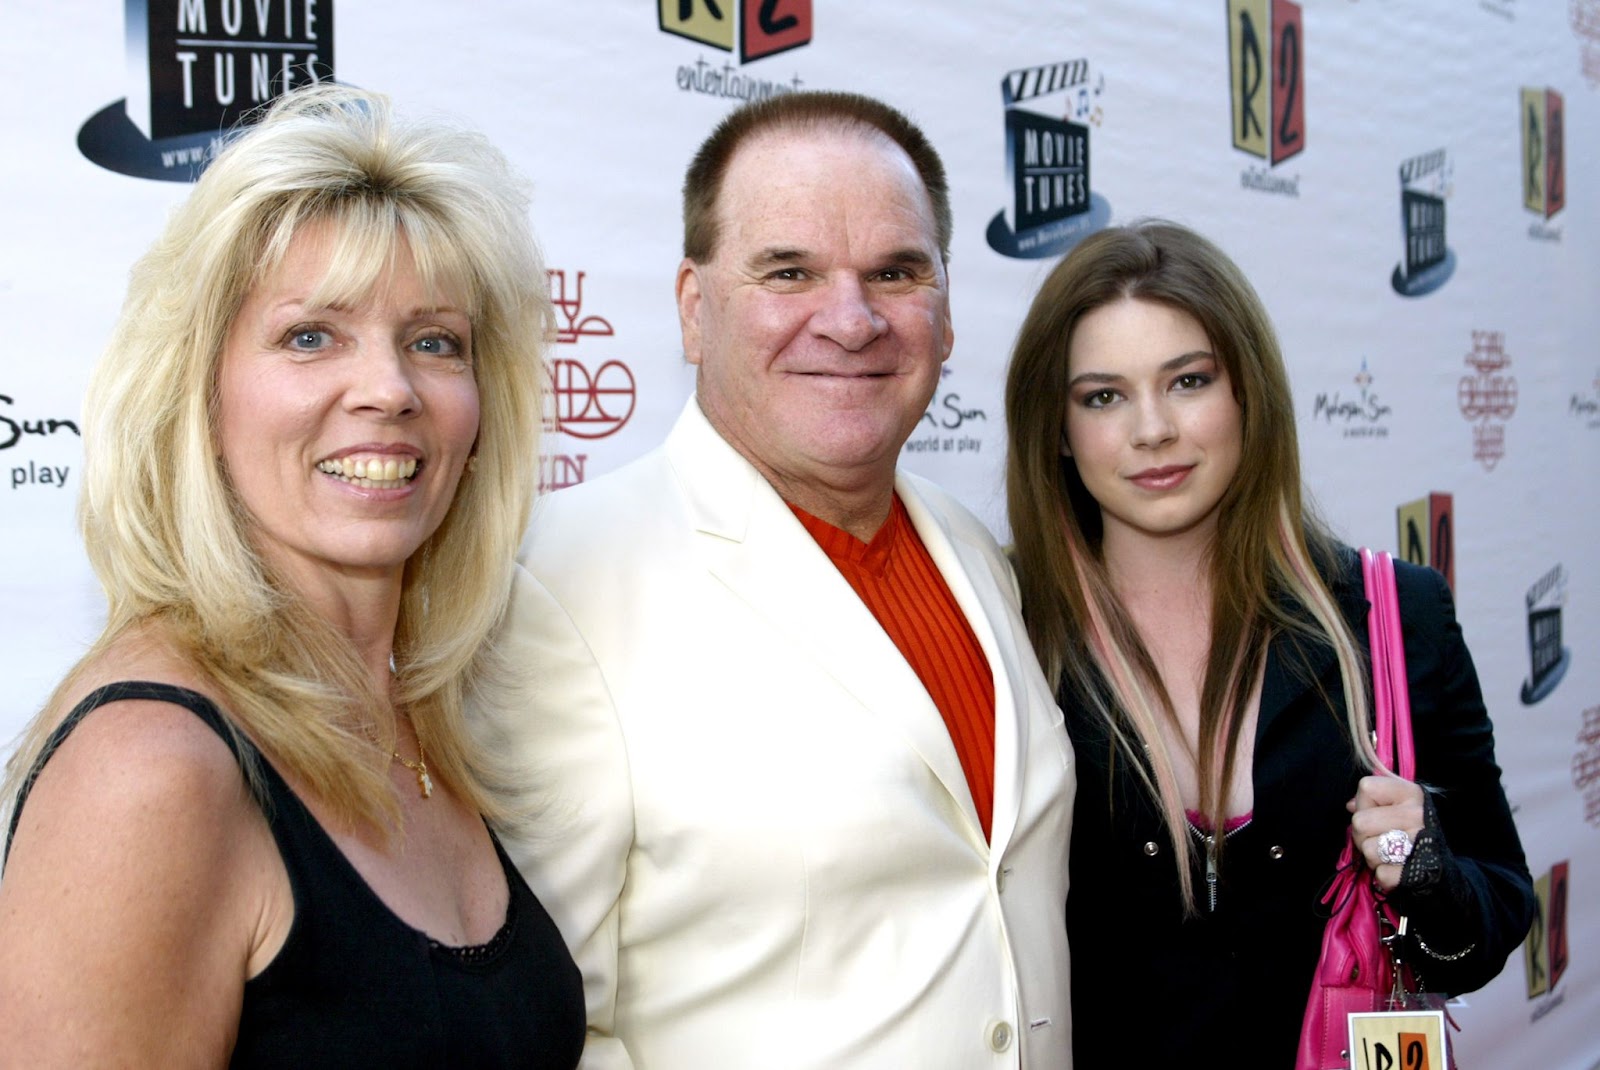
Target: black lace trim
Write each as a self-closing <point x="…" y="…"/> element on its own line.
<point x="480" y="954"/>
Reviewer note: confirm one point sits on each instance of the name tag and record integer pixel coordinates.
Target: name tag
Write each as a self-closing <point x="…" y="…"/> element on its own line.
<point x="1398" y="1040"/>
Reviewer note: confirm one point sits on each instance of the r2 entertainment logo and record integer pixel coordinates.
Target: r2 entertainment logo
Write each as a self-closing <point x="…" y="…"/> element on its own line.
<point x="1426" y="534"/>
<point x="1545" y="954"/>
<point x="1265" y="43"/>
<point x="764" y="28"/>
<point x="1544" y="169"/>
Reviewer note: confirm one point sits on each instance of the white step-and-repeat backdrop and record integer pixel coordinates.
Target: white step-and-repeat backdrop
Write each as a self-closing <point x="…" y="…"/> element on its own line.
<point x="1413" y="186"/>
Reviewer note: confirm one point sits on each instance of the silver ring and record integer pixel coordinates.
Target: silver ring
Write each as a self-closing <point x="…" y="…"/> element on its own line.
<point x="1394" y="847"/>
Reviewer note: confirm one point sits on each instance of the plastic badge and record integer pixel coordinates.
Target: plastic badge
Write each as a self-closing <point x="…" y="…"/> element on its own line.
<point x="1398" y="1040"/>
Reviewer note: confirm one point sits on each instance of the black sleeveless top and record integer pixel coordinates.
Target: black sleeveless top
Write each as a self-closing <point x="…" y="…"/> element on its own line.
<point x="353" y="985"/>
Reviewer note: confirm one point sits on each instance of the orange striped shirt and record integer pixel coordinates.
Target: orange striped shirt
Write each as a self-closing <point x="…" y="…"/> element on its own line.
<point x="897" y="580"/>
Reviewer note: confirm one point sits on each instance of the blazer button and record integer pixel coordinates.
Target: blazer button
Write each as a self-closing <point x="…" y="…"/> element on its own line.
<point x="1151" y="848"/>
<point x="1274" y="852"/>
<point x="1000" y="1036"/>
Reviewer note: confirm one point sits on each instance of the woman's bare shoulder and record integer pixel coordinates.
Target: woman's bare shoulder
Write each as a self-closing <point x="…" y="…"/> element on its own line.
<point x="136" y="763"/>
<point x="140" y="866"/>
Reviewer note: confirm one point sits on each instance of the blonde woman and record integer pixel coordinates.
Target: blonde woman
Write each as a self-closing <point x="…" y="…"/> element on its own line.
<point x="250" y="826"/>
<point x="1202" y="629"/>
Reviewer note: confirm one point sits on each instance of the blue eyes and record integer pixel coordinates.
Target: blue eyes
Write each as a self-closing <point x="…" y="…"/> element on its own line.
<point x="438" y="345"/>
<point x="309" y="338"/>
<point x="314" y="339"/>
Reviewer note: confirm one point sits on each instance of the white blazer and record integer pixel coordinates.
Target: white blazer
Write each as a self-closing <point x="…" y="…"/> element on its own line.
<point x="757" y="837"/>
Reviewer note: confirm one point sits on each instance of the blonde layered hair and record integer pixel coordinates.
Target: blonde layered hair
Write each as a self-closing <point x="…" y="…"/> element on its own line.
<point x="1268" y="548"/>
<point x="167" y="536"/>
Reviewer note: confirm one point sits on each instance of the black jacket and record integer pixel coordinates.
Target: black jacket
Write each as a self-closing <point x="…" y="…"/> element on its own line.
<point x="1150" y="988"/>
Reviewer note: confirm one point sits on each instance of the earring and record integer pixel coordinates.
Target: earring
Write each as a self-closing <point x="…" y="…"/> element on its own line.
<point x="472" y="463"/>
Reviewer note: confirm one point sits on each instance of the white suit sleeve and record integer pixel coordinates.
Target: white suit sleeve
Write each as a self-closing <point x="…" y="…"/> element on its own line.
<point x="556" y="731"/>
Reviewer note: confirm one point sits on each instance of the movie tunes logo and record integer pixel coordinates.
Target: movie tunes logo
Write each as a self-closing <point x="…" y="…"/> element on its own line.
<point x="950" y="425"/>
<point x="1358" y="415"/>
<point x="1548" y="658"/>
<point x="18" y="428"/>
<point x="1425" y="532"/>
<point x="1545" y="954"/>
<point x="1053" y="206"/>
<point x="195" y="67"/>
<point x="1544" y="169"/>
<point x="1426" y="261"/>
<point x="1488" y="398"/>
<point x="1266" y="72"/>
<point x="763" y="28"/>
<point x="584" y="399"/>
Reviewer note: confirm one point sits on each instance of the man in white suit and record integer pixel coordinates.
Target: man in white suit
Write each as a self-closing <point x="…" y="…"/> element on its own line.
<point x="803" y="810"/>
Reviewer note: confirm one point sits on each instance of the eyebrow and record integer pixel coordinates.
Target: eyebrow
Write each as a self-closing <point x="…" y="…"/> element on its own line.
<point x="777" y="256"/>
<point x="783" y="255"/>
<point x="304" y="306"/>
<point x="1180" y="361"/>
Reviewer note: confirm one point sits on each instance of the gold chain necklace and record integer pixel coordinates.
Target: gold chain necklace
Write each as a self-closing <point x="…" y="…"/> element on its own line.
<point x="419" y="767"/>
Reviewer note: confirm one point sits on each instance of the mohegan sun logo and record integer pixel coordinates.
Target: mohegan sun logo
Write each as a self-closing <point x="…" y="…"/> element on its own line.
<point x="1426" y="261"/>
<point x="1361" y="415"/>
<point x="762" y="28"/>
<point x="1053" y="206"/>
<point x="1266" y="69"/>
<point x="1544" y="169"/>
<point x="195" y="68"/>
<point x="1585" y="405"/>
<point x="20" y="428"/>
<point x="951" y="423"/>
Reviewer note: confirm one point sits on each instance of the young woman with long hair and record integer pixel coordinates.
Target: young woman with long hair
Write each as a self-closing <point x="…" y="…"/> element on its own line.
<point x="1206" y="634"/>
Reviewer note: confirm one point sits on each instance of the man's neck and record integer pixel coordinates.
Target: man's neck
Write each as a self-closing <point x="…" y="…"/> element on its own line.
<point x="859" y="518"/>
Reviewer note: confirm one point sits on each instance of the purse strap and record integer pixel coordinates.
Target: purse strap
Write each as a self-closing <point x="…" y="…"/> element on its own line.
<point x="1391" y="694"/>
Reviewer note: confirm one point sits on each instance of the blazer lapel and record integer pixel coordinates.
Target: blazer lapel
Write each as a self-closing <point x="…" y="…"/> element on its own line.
<point x="752" y="543"/>
<point x="959" y="561"/>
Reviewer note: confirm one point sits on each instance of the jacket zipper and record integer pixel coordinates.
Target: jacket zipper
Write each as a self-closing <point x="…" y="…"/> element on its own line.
<point x="1210" y="842"/>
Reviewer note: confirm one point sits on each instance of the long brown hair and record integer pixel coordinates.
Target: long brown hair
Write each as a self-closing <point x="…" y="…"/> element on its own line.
<point x="1267" y="544"/>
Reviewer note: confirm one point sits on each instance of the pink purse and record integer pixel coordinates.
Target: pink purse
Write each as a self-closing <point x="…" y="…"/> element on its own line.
<point x="1357" y="972"/>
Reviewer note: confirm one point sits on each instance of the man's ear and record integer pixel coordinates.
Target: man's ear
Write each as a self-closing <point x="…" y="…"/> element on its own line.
<point x="689" y="297"/>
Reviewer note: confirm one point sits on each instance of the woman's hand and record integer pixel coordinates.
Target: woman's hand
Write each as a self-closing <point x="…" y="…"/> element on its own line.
<point x="1383" y="803"/>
